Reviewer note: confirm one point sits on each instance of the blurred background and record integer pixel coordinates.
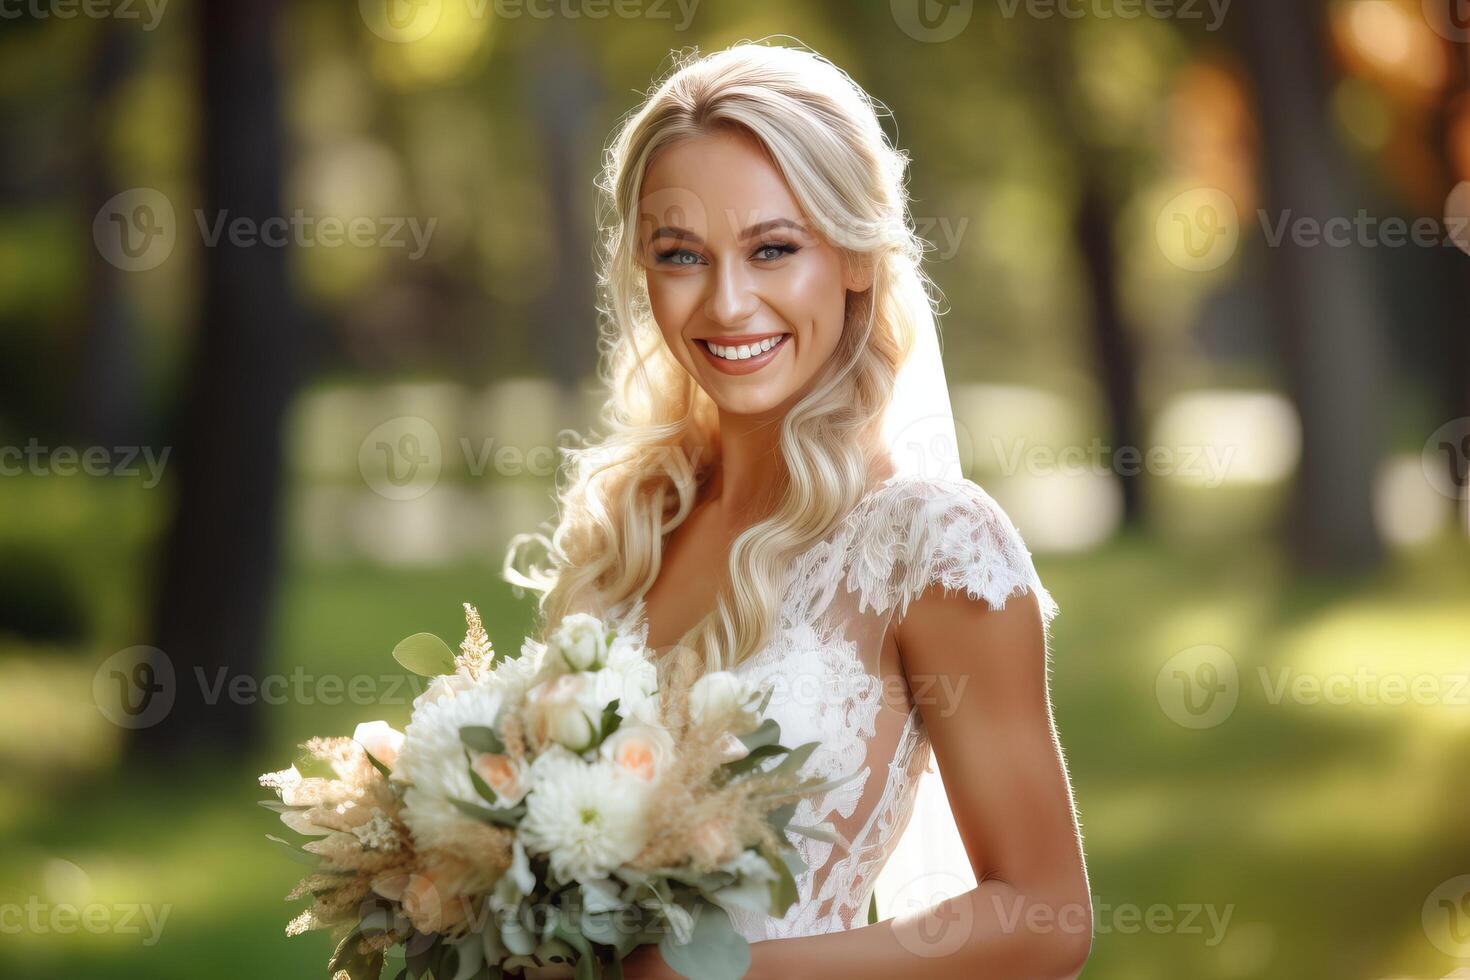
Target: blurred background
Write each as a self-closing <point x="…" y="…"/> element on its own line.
<point x="296" y="306"/>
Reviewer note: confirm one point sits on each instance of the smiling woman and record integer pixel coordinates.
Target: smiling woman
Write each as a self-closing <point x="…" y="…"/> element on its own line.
<point x="751" y="292"/>
<point x="771" y="352"/>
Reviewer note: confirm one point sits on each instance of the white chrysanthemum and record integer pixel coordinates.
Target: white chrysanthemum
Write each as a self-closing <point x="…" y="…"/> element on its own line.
<point x="514" y="675"/>
<point x="587" y="817"/>
<point x="631" y="678"/>
<point x="433" y="762"/>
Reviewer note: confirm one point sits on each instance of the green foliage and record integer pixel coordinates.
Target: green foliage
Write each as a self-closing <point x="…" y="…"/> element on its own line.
<point x="425" y="654"/>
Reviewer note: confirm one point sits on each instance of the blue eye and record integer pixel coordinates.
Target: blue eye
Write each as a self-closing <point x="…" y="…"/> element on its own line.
<point x="776" y="250"/>
<point x="678" y="256"/>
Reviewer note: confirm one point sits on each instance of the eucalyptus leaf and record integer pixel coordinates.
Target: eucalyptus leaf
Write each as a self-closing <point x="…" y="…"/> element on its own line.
<point x="499" y="818"/>
<point x="783" y="889"/>
<point x="794" y="760"/>
<point x="483" y="788"/>
<point x="753" y="758"/>
<point x="780" y="816"/>
<point x="767" y="733"/>
<point x="715" y="951"/>
<point x="481" y="738"/>
<point x="822" y="832"/>
<point x="425" y="654"/>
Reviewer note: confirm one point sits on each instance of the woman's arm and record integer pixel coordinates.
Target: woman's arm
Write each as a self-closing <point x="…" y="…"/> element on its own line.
<point x="1031" y="915"/>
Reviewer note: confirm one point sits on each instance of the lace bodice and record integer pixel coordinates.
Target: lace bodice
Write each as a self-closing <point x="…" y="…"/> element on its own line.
<point x="824" y="667"/>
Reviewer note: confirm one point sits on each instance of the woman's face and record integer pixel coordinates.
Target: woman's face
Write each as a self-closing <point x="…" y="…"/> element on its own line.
<point x="748" y="296"/>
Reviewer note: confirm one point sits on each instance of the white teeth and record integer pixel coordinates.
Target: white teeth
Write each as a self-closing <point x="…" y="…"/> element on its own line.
<point x="744" y="351"/>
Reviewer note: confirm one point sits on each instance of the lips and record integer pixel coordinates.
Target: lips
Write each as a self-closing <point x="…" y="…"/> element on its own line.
<point x="731" y="346"/>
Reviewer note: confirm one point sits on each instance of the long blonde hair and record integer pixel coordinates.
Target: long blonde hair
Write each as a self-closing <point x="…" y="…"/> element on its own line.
<point x="619" y="495"/>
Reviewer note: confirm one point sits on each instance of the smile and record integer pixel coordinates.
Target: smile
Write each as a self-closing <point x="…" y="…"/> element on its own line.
<point x="742" y="356"/>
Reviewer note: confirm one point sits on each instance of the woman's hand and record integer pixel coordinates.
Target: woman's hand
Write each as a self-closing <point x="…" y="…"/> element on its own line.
<point x="646" y="963"/>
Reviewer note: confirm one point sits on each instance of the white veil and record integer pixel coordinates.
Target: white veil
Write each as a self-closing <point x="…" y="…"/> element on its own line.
<point x="930" y="863"/>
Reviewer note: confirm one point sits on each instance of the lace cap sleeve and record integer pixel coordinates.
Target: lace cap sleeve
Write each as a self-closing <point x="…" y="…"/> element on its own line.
<point x="916" y="532"/>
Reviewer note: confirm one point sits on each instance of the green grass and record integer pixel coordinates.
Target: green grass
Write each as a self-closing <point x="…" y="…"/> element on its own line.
<point x="1321" y="828"/>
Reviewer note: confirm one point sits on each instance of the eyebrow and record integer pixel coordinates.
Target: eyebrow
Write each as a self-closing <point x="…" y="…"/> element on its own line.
<point x="754" y="231"/>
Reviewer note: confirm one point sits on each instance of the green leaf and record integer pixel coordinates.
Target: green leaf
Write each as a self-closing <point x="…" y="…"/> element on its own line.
<point x="425" y="654"/>
<point x="783" y="889"/>
<point x="377" y="764"/>
<point x="502" y="818"/>
<point x="480" y="738"/>
<point x="794" y="760"/>
<point x="780" y="816"/>
<point x="753" y="758"/>
<point x="815" y="833"/>
<point x="483" y="788"/>
<point x="610" y="719"/>
<point x="768" y="733"/>
<point x="715" y="951"/>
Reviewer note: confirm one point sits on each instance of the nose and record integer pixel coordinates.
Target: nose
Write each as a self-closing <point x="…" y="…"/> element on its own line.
<point x="733" y="301"/>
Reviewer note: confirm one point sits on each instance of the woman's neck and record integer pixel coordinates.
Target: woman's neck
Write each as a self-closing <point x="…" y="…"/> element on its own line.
<point x="751" y="471"/>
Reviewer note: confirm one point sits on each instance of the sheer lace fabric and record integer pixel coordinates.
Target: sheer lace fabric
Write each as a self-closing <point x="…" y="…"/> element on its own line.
<point x="829" y="684"/>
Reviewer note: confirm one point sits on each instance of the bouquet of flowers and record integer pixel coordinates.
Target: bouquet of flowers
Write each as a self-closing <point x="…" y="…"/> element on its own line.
<point x="545" y="815"/>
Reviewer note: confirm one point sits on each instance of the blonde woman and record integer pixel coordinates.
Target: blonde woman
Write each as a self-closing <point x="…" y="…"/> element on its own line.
<point x="775" y="488"/>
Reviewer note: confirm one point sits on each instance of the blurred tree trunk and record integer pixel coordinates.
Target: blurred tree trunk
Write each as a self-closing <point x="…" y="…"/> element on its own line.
<point x="1451" y="334"/>
<point x="108" y="377"/>
<point x="1112" y="343"/>
<point x="565" y="93"/>
<point x="1093" y="230"/>
<point x="221" y="555"/>
<point x="1326" y="300"/>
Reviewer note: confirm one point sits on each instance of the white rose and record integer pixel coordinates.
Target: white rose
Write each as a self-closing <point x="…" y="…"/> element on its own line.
<point x="381" y="741"/>
<point x="504" y="775"/>
<point x="722" y="700"/>
<point x="565" y="710"/>
<point x="581" y="640"/>
<point x="641" y="751"/>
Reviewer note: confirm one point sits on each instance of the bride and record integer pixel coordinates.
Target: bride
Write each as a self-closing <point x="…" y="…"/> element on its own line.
<point x="777" y="488"/>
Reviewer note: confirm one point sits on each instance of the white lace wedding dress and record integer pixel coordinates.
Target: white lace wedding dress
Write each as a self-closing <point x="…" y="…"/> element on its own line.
<point x="823" y="666"/>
